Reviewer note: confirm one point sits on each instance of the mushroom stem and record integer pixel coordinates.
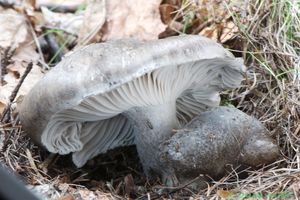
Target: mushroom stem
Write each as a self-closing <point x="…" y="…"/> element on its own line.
<point x="153" y="125"/>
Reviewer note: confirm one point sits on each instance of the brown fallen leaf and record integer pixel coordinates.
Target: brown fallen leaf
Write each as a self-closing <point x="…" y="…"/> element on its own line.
<point x="27" y="7"/>
<point x="2" y="106"/>
<point x="24" y="52"/>
<point x="13" y="29"/>
<point x="211" y="32"/>
<point x="65" y="197"/>
<point x="129" y="184"/>
<point x="222" y="32"/>
<point x="224" y="193"/>
<point x="213" y="9"/>
<point x="12" y="81"/>
<point x="14" y="71"/>
<point x="22" y="56"/>
<point x="133" y="19"/>
<point x="230" y="30"/>
<point x="94" y="18"/>
<point x="167" y="12"/>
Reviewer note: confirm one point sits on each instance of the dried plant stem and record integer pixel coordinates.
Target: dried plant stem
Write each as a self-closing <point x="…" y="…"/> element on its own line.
<point x="14" y="93"/>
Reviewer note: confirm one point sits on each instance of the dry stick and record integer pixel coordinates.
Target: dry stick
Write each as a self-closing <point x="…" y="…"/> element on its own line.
<point x="2" y="71"/>
<point x="14" y="93"/>
<point x="37" y="43"/>
<point x="32" y="163"/>
<point x="11" y="99"/>
<point x="3" y="64"/>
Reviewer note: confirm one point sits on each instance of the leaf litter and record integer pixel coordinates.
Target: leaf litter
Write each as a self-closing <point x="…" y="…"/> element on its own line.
<point x="118" y="175"/>
<point x="15" y="36"/>
<point x="133" y="19"/>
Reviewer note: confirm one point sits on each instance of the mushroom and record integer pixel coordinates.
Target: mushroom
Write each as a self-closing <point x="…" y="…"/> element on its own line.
<point x="214" y="142"/>
<point x="127" y="92"/>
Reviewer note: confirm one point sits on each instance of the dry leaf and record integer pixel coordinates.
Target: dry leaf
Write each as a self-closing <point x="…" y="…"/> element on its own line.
<point x="25" y="53"/>
<point x="229" y="31"/>
<point x="63" y="187"/>
<point x="15" y="34"/>
<point x="2" y="106"/>
<point x="44" y="191"/>
<point x="64" y="3"/>
<point x="129" y="184"/>
<point x="13" y="29"/>
<point x="215" y="10"/>
<point x="14" y="71"/>
<point x="66" y="21"/>
<point x="224" y="193"/>
<point x="103" y="196"/>
<point x="31" y="3"/>
<point x="211" y="32"/>
<point x="65" y="197"/>
<point x="94" y="18"/>
<point x="166" y="11"/>
<point x="87" y="194"/>
<point x="132" y="18"/>
<point x="20" y="60"/>
<point x="12" y="81"/>
<point x="28" y="7"/>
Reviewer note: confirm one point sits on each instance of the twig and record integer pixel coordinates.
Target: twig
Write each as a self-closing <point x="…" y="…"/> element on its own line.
<point x="16" y="90"/>
<point x="32" y="163"/>
<point x="35" y="38"/>
<point x="2" y="71"/>
<point x="14" y="93"/>
<point x="3" y="64"/>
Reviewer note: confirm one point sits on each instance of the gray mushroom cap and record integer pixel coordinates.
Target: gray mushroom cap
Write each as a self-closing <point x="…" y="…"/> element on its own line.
<point x="77" y="107"/>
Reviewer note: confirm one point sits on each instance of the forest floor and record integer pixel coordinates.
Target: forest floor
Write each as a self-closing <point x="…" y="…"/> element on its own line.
<point x="35" y="35"/>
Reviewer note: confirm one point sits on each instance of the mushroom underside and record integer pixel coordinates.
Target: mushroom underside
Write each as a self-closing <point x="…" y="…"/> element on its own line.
<point x="98" y="123"/>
